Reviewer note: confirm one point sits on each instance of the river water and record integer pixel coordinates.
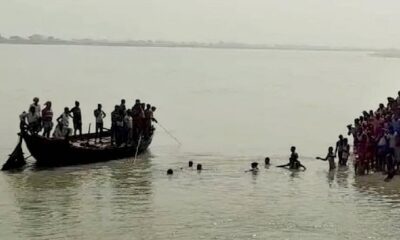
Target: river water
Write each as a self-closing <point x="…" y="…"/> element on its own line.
<point x="228" y="108"/>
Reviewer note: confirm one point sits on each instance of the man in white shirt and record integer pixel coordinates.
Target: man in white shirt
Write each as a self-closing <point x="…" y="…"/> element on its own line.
<point x="99" y="114"/>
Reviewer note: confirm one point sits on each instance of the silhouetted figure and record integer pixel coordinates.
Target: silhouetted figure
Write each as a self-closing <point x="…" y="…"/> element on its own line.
<point x="330" y="157"/>
<point x="47" y="119"/>
<point x="294" y="162"/>
<point x="122" y="106"/>
<point x="199" y="167"/>
<point x="99" y="115"/>
<point x="267" y="161"/>
<point x="77" y="118"/>
<point x="190" y="164"/>
<point x="170" y="172"/>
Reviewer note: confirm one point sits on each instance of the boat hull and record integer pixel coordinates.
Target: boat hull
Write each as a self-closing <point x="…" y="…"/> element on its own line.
<point x="60" y="152"/>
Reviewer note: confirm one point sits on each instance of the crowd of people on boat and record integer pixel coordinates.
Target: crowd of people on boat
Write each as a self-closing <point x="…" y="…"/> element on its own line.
<point x="127" y="124"/>
<point x="376" y="136"/>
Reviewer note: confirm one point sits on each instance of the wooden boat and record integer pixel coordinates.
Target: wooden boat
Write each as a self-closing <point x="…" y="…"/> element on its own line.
<point x="51" y="152"/>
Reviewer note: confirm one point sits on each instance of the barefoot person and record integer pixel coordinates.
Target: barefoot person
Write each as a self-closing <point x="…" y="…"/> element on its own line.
<point x="330" y="157"/>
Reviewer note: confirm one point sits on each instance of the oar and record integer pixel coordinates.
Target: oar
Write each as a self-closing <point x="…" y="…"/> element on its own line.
<point x="172" y="136"/>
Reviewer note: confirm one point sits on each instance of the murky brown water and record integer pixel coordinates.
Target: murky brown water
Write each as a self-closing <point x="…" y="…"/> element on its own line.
<point x="228" y="108"/>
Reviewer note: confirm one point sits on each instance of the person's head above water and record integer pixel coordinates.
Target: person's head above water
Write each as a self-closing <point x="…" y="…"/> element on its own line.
<point x="190" y="164"/>
<point x="199" y="167"/>
<point x="267" y="161"/>
<point x="254" y="165"/>
<point x="170" y="172"/>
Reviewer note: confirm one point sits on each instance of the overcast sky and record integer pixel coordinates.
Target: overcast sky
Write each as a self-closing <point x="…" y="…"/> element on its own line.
<point x="372" y="23"/>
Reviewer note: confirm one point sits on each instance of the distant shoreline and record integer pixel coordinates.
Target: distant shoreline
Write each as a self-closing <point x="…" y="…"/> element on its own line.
<point x="183" y="45"/>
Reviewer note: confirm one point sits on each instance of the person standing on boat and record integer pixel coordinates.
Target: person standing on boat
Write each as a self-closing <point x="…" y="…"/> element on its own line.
<point x="77" y="118"/>
<point x="114" y="119"/>
<point x="330" y="157"/>
<point x="47" y="119"/>
<point x="149" y="118"/>
<point x="128" y="123"/>
<point x="36" y="105"/>
<point x="99" y="114"/>
<point x="122" y="105"/>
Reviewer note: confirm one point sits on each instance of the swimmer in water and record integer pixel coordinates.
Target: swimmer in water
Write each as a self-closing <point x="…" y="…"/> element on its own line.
<point x="199" y="167"/>
<point x="254" y="167"/>
<point x="294" y="162"/>
<point x="190" y="164"/>
<point x="330" y="157"/>
<point x="267" y="161"/>
<point x="170" y="172"/>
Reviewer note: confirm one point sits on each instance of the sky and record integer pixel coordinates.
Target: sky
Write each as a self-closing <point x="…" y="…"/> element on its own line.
<point x="357" y="23"/>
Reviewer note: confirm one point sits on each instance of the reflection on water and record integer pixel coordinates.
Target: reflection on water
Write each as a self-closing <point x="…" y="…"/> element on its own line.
<point x="229" y="108"/>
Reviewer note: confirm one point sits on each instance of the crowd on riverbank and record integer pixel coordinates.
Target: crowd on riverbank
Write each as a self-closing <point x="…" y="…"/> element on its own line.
<point x="127" y="124"/>
<point x="376" y="138"/>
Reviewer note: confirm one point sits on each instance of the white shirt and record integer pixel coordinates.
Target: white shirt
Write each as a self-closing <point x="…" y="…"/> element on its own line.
<point x="38" y="110"/>
<point x="32" y="117"/>
<point x="128" y="121"/>
<point x="65" y="120"/>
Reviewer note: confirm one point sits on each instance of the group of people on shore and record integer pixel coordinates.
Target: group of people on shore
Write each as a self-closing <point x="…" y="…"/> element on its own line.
<point x="376" y="136"/>
<point x="127" y="125"/>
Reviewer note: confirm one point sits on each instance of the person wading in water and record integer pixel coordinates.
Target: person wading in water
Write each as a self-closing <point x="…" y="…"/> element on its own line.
<point x="329" y="157"/>
<point x="294" y="162"/>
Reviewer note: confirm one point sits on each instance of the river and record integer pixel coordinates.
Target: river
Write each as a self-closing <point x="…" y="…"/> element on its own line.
<point x="228" y="108"/>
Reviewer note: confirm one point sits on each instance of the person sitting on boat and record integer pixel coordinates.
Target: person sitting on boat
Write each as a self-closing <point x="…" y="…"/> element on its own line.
<point x="330" y="157"/>
<point x="99" y="115"/>
<point x="61" y="132"/>
<point x="47" y="119"/>
<point x="64" y="120"/>
<point x="294" y="162"/>
<point x="77" y="118"/>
